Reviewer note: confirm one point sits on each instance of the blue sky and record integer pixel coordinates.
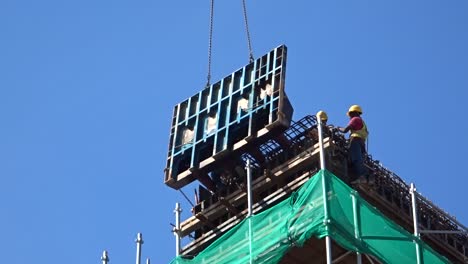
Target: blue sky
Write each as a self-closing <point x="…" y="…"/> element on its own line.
<point x="87" y="90"/>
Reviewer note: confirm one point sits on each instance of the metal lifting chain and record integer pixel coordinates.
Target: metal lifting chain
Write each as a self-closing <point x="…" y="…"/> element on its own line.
<point x="251" y="57"/>
<point x="210" y="42"/>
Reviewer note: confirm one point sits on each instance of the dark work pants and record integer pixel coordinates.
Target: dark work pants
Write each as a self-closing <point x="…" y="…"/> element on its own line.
<point x="356" y="156"/>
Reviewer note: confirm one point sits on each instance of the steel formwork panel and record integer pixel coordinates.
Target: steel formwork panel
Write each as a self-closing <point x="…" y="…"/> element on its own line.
<point x="245" y="108"/>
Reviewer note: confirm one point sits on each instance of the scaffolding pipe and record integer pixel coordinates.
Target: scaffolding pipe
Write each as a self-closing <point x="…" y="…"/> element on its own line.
<point x="250" y="240"/>
<point x="249" y="204"/>
<point x="415" y="223"/>
<point x="440" y="232"/>
<point x="359" y="258"/>
<point x="320" y="134"/>
<point x="139" y="242"/>
<point x="329" y="253"/>
<point x="177" y="212"/>
<point x="249" y="187"/>
<point x="357" y="226"/>
<point x="370" y="259"/>
<point x="147" y="261"/>
<point x="340" y="258"/>
<point x="104" y="257"/>
<point x="324" y="189"/>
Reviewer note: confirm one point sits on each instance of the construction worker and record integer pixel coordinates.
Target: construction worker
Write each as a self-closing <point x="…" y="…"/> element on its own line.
<point x="357" y="140"/>
<point x="323" y="118"/>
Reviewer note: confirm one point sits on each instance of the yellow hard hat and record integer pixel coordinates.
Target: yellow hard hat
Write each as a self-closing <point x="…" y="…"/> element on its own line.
<point x="355" y="108"/>
<point x="322" y="115"/>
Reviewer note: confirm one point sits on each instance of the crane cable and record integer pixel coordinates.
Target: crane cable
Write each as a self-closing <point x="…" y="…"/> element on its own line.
<point x="251" y="57"/>
<point x="210" y="40"/>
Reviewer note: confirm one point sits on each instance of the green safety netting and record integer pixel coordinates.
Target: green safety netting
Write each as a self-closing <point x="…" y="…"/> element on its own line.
<point x="346" y="217"/>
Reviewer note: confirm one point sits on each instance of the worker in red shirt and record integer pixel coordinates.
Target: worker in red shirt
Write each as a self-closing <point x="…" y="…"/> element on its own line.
<point x="357" y="141"/>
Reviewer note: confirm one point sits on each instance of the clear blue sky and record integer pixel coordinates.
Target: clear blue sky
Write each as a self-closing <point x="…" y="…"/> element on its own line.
<point x="87" y="90"/>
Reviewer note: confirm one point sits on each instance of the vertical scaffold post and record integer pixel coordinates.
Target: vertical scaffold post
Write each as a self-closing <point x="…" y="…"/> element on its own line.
<point x="419" y="259"/>
<point x="357" y="224"/>
<point x="322" y="150"/>
<point x="147" y="261"/>
<point x="139" y="242"/>
<point x="104" y="257"/>
<point x="324" y="188"/>
<point x="177" y="212"/>
<point x="248" y="167"/>
<point x="249" y="187"/>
